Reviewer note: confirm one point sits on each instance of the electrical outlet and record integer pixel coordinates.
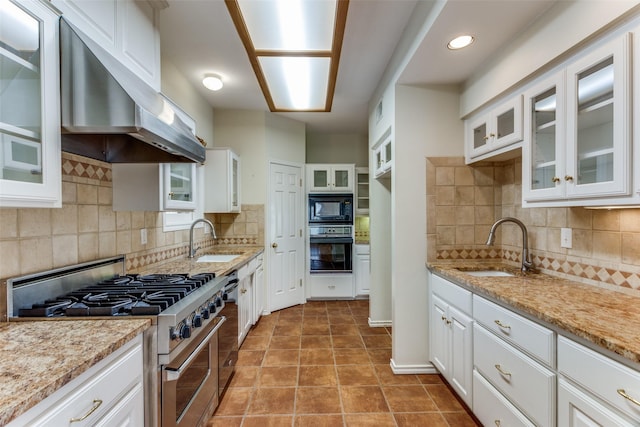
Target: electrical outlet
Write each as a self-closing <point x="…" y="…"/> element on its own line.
<point x="143" y="236"/>
<point x="566" y="238"/>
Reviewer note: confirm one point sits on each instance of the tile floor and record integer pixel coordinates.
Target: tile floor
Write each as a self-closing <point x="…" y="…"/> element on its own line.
<point x="320" y="364"/>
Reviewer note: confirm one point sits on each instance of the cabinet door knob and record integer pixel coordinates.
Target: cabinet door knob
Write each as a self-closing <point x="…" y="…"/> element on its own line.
<point x="568" y="178"/>
<point x="243" y="291"/>
<point x="555" y="179"/>
<point x="274" y="245"/>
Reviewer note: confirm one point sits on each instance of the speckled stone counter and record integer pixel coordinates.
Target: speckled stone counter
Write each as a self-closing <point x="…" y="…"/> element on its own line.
<point x="191" y="266"/>
<point x="604" y="317"/>
<point x="37" y="358"/>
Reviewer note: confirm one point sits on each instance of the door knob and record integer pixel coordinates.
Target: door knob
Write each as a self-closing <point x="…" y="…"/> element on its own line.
<point x="274" y="245"/>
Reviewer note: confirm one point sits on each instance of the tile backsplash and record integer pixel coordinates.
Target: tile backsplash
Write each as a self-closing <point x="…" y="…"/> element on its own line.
<point x="463" y="201"/>
<point x="86" y="228"/>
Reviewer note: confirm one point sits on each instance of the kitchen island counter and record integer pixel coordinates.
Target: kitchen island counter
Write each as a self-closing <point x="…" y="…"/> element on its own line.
<point x="39" y="357"/>
<point x="606" y="318"/>
<point x="191" y="266"/>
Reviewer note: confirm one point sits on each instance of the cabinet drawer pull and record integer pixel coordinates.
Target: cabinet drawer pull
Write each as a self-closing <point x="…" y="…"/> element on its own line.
<point x="502" y="325"/>
<point x="503" y="372"/>
<point x="96" y="405"/>
<point x="624" y="394"/>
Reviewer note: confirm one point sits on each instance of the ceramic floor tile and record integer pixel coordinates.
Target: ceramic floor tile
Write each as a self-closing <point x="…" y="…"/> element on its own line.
<point x="409" y="399"/>
<point x="278" y="376"/>
<point x="317" y="329"/>
<point x="225" y="422"/>
<point x="284" y="342"/>
<point x="387" y="377"/>
<point x="315" y="341"/>
<point x="268" y="421"/>
<point x="347" y="341"/>
<point x="380" y="356"/>
<point x="377" y="341"/>
<point x="244" y="376"/>
<point x="256" y="342"/>
<point x="316" y="356"/>
<point x="444" y="398"/>
<point x="357" y="375"/>
<point x="363" y="399"/>
<point x="281" y="357"/>
<point x="431" y="419"/>
<point x="351" y="356"/>
<point x="235" y="401"/>
<point x="272" y="401"/>
<point x="293" y="329"/>
<point x="369" y="420"/>
<point x="318" y="400"/>
<point x="459" y="419"/>
<point x="344" y="329"/>
<point x="250" y="358"/>
<point x="318" y="421"/>
<point x="314" y="376"/>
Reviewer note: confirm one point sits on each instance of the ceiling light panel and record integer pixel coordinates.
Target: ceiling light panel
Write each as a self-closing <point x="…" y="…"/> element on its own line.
<point x="289" y="25"/>
<point x="297" y="83"/>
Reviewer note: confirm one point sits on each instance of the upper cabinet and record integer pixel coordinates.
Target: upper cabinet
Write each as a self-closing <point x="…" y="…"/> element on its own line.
<point x="362" y="191"/>
<point x="330" y="178"/>
<point x="127" y="29"/>
<point x="222" y="181"/>
<point x="383" y="156"/>
<point x="578" y="131"/>
<point x="489" y="132"/>
<point x="154" y="187"/>
<point x="29" y="106"/>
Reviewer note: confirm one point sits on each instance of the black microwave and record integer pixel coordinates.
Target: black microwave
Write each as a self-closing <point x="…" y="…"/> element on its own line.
<point x="331" y="208"/>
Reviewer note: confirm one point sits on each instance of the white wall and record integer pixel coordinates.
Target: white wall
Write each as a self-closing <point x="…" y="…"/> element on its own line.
<point x="176" y="87"/>
<point x="426" y="125"/>
<point x="561" y="28"/>
<point x="285" y="139"/>
<point x="337" y="148"/>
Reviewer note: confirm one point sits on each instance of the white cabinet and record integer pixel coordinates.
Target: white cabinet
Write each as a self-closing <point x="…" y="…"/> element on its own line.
<point x="451" y="335"/>
<point x="595" y="387"/>
<point x="154" y="187"/>
<point x="126" y="29"/>
<point x="488" y="133"/>
<point x="258" y="289"/>
<point x="361" y="270"/>
<point x="30" y="172"/>
<point x="383" y="157"/>
<point x="107" y="394"/>
<point x="330" y="178"/>
<point x="222" y="181"/>
<point x="492" y="408"/>
<point x="578" y="130"/>
<point x="250" y="295"/>
<point x="330" y="286"/>
<point x="362" y="191"/>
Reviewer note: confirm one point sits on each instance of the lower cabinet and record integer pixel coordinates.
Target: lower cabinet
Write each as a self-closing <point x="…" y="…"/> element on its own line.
<point x="245" y="302"/>
<point x="331" y="286"/>
<point x="492" y="408"/>
<point x="258" y="289"/>
<point x="451" y="339"/>
<point x="108" y="394"/>
<point x="361" y="270"/>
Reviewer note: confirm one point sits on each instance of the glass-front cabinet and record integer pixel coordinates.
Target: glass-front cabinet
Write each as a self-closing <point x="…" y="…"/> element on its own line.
<point x="322" y="178"/>
<point x="577" y="121"/>
<point x="180" y="186"/>
<point x="29" y="105"/>
<point x="362" y="191"/>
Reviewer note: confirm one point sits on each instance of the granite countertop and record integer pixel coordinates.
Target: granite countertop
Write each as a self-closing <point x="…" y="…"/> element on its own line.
<point x="190" y="265"/>
<point x="39" y="357"/>
<point x="608" y="318"/>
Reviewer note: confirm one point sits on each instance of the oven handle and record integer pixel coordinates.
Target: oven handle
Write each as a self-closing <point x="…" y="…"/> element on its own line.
<point x="231" y="287"/>
<point x="330" y="240"/>
<point x="174" y="374"/>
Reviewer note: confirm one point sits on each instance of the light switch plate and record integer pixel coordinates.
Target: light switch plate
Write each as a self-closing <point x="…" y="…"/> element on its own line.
<point x="143" y="236"/>
<point x="566" y="240"/>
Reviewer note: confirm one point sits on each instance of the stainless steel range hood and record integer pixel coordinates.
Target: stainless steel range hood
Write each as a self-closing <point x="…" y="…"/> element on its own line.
<point x="110" y="114"/>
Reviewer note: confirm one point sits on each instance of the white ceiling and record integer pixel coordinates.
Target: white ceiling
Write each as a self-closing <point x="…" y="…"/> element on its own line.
<point x="198" y="37"/>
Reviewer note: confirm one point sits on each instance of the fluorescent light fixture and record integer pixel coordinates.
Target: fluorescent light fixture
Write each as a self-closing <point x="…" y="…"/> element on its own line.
<point x="212" y="82"/>
<point x="294" y="47"/>
<point x="460" y="42"/>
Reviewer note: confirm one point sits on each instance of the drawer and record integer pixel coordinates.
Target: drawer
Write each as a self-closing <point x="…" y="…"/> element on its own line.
<point x="491" y="407"/>
<point x="111" y="383"/>
<point x="243" y="271"/>
<point x="600" y="375"/>
<point x="452" y="293"/>
<point x="528" y="384"/>
<point x="331" y="286"/>
<point x="536" y="340"/>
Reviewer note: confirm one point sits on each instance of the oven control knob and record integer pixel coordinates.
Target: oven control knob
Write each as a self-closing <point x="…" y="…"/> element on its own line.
<point x="218" y="302"/>
<point x="212" y="307"/>
<point x="185" y="331"/>
<point x="197" y="321"/>
<point x="205" y="313"/>
<point x="225" y="297"/>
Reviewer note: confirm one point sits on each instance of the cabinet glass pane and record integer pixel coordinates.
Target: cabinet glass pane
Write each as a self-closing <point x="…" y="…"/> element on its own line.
<point x="320" y="178"/>
<point x="20" y="95"/>
<point x="595" y="124"/>
<point x="180" y="181"/>
<point x="506" y="123"/>
<point x="234" y="183"/>
<point x="480" y="136"/>
<point x="387" y="152"/>
<point x="341" y="178"/>
<point x="543" y="140"/>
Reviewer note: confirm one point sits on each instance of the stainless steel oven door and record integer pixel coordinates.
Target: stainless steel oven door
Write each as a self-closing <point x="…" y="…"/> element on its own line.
<point x="190" y="382"/>
<point x="330" y="255"/>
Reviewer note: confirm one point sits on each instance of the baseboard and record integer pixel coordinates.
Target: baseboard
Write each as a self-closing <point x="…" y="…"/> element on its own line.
<point x="413" y="369"/>
<point x="379" y="323"/>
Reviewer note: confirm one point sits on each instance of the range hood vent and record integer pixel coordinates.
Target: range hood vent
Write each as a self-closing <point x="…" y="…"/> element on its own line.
<point x="110" y="114"/>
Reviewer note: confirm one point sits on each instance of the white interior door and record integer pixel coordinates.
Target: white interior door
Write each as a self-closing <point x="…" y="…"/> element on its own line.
<point x="286" y="254"/>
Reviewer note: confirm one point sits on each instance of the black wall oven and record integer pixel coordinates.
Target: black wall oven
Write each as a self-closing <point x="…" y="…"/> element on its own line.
<point x="330" y="249"/>
<point x="330" y="209"/>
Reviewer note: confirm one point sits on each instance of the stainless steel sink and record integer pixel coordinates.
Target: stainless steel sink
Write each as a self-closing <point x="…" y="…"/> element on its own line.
<point x="488" y="273"/>
<point x="218" y="258"/>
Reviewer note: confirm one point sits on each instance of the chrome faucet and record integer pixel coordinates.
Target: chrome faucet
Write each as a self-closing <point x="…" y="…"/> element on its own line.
<point x="527" y="265"/>
<point x="192" y="250"/>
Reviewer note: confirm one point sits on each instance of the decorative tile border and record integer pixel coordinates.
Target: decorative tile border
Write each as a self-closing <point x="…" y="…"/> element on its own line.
<point x="81" y="167"/>
<point x="576" y="270"/>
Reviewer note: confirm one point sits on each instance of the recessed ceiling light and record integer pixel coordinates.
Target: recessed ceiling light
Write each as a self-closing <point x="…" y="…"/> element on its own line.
<point x="212" y="82"/>
<point x="460" y="42"/>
